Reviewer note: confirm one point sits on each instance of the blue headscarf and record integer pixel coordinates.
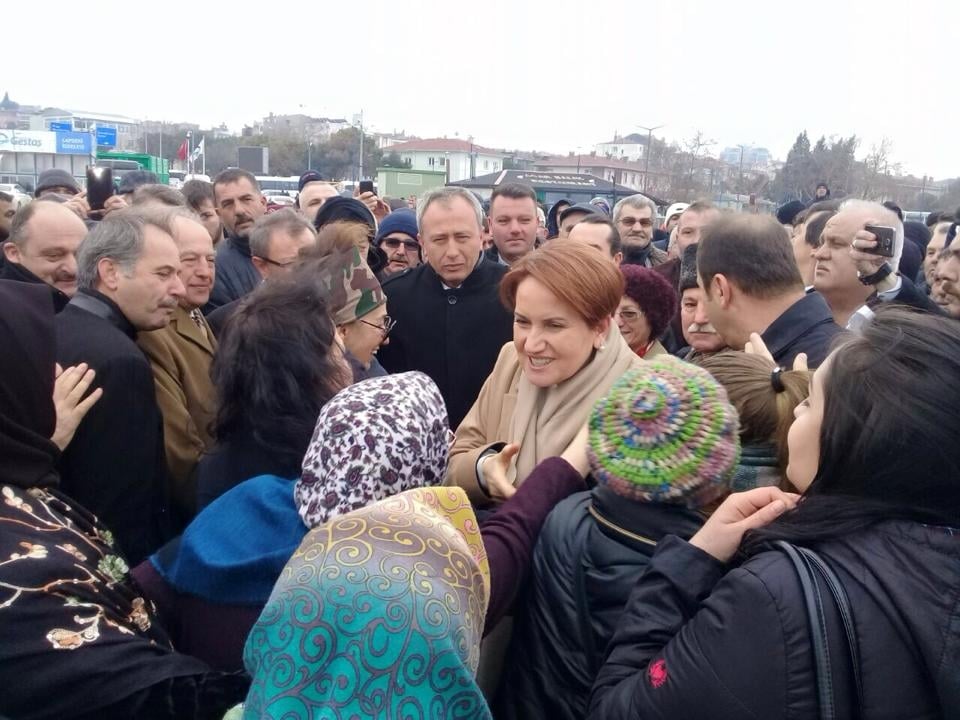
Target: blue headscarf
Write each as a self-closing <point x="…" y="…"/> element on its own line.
<point x="378" y="614"/>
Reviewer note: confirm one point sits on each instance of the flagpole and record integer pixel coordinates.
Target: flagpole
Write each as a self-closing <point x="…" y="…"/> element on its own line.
<point x="203" y="142"/>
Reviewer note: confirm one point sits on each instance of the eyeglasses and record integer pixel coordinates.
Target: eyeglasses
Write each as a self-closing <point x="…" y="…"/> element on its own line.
<point x="385" y="326"/>
<point x="643" y="222"/>
<point x="286" y="264"/>
<point x="629" y="315"/>
<point x="394" y="243"/>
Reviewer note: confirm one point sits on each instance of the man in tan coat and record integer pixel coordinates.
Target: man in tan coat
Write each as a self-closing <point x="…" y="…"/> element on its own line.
<point x="180" y="356"/>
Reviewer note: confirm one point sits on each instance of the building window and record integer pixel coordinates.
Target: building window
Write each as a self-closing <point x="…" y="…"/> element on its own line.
<point x="443" y="162"/>
<point x="430" y="161"/>
<point x="486" y="164"/>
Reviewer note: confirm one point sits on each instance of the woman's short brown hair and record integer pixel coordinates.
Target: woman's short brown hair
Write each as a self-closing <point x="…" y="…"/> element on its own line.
<point x="576" y="273"/>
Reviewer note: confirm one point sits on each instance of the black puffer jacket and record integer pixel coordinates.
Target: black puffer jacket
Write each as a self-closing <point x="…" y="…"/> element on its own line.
<point x="593" y="547"/>
<point x="697" y="641"/>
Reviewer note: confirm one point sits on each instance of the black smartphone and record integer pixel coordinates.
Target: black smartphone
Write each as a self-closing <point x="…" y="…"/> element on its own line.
<point x="99" y="186"/>
<point x="885" y="236"/>
<point x="366" y="186"/>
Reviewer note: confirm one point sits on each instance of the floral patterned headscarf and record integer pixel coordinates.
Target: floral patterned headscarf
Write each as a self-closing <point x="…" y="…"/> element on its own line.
<point x="378" y="614"/>
<point x="373" y="440"/>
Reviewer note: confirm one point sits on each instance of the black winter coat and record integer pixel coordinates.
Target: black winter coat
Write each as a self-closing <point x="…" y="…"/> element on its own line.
<point x="16" y="271"/>
<point x="592" y="548"/>
<point x="452" y="335"/>
<point x="115" y="465"/>
<point x="697" y="641"/>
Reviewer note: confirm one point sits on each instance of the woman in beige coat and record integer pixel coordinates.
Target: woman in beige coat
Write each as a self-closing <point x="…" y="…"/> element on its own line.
<point x="566" y="353"/>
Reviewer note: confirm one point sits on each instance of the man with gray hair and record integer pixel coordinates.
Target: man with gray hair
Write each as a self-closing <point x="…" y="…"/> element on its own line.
<point x="635" y="217"/>
<point x="851" y="278"/>
<point x="180" y="356"/>
<point x="450" y="323"/>
<point x="128" y="278"/>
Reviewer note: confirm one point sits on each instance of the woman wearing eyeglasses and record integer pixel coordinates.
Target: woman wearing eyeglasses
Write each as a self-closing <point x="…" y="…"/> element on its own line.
<point x="397" y="237"/>
<point x="646" y="308"/>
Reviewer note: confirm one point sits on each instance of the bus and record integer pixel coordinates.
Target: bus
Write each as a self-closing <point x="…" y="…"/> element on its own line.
<point x="124" y="162"/>
<point x="279" y="185"/>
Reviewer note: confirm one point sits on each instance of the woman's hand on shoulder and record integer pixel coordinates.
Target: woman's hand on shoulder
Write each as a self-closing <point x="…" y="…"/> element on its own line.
<point x="721" y="535"/>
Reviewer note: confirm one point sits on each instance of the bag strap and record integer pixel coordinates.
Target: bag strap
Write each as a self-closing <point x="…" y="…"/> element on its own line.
<point x="818" y="630"/>
<point x="846" y="617"/>
<point x="809" y="565"/>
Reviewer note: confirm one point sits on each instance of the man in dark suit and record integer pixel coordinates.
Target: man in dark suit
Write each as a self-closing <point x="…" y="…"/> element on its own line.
<point x="128" y="280"/>
<point x="450" y="323"/>
<point x="180" y="356"/>
<point x="751" y="284"/>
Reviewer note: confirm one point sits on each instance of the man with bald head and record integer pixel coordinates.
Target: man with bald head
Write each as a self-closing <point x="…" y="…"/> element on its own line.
<point x="851" y="278"/>
<point x="42" y="246"/>
<point x="312" y="197"/>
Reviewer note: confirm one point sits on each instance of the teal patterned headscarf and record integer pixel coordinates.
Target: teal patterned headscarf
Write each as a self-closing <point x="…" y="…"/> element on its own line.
<point x="378" y="614"/>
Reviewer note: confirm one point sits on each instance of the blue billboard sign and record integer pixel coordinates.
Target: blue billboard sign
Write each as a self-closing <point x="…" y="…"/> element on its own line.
<point x="62" y="126"/>
<point x="106" y="137"/>
<point x="74" y="143"/>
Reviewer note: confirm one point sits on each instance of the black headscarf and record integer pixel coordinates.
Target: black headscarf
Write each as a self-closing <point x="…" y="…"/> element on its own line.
<point x="77" y="637"/>
<point x="27" y="360"/>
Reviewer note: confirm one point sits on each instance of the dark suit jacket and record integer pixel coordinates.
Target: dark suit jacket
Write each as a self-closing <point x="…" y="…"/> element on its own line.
<point x="453" y="335"/>
<point x="115" y="465"/>
<point x="180" y="356"/>
<point x="807" y="326"/>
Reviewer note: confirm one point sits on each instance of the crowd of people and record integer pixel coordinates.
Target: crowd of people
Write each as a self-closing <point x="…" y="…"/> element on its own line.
<point x="477" y="458"/>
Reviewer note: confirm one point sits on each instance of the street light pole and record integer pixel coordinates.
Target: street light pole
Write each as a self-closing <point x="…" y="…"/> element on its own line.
<point x="646" y="155"/>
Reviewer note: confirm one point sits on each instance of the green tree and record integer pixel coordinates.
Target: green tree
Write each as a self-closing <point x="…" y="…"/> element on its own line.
<point x="338" y="158"/>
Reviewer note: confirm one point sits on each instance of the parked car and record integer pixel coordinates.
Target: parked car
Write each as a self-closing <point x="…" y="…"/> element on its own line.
<point x="20" y="196"/>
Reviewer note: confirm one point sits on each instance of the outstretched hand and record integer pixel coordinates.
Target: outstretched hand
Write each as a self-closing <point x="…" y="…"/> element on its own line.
<point x="576" y="452"/>
<point x="495" y="473"/>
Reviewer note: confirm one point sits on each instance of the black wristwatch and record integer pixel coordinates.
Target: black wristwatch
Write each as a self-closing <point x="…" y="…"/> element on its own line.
<point x="877" y="277"/>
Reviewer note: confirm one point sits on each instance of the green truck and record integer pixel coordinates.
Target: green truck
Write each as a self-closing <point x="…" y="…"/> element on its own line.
<point x="124" y="162"/>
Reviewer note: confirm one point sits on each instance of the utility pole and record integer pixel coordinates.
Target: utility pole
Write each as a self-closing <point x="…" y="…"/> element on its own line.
<point x="646" y="154"/>
<point x="740" y="183"/>
<point x="360" y="177"/>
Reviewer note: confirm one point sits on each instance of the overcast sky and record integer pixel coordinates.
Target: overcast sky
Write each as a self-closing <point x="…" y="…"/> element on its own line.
<point x="553" y="76"/>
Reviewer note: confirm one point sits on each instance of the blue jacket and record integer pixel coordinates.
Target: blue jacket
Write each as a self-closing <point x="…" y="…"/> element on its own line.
<point x="236" y="275"/>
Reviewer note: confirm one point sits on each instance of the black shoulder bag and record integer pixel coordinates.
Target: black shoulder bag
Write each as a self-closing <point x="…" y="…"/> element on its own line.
<point x="809" y="566"/>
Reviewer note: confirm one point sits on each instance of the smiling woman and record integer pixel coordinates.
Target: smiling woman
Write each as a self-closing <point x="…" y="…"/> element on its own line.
<point x="566" y="353"/>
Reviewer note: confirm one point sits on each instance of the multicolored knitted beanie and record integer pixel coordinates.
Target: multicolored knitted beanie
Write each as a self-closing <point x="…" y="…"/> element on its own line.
<point x="665" y="433"/>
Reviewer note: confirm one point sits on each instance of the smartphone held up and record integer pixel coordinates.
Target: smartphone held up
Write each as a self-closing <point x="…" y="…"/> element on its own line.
<point x="99" y="186"/>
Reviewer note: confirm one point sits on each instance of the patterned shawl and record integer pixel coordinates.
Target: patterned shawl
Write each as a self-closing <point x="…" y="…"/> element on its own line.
<point x="378" y="614"/>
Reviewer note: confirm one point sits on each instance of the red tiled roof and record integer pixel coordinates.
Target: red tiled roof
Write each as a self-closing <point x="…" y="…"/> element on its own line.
<point x="443" y="145"/>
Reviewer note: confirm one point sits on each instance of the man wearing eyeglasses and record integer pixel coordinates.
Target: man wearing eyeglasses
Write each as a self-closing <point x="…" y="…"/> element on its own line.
<point x="397" y="237"/>
<point x="635" y="218"/>
<point x="275" y="243"/>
